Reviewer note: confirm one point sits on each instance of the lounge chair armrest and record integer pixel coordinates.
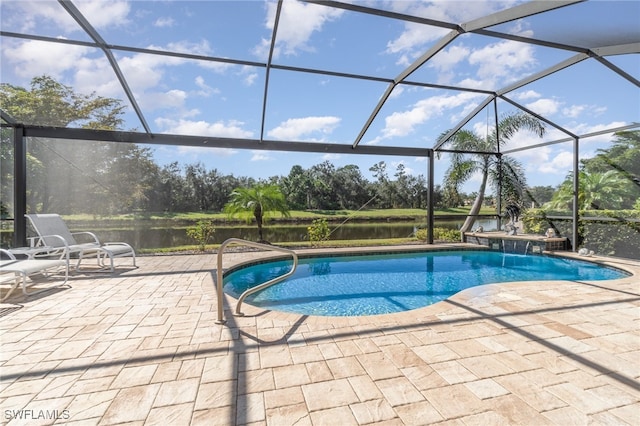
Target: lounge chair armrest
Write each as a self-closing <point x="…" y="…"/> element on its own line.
<point x="61" y="253"/>
<point x="91" y="236"/>
<point x="61" y="249"/>
<point x="33" y="241"/>
<point x="40" y="241"/>
<point x="7" y="253"/>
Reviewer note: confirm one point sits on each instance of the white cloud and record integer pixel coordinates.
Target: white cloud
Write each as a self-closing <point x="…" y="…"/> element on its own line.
<point x="397" y="91"/>
<point x="96" y="75"/>
<point x="403" y="123"/>
<point x="297" y="128"/>
<point x="205" y="90"/>
<point x="260" y="156"/>
<point x="298" y="21"/>
<point x="413" y="37"/>
<point x="559" y="165"/>
<point x="229" y="129"/>
<point x="250" y="79"/>
<point x="33" y="57"/>
<point x="524" y="138"/>
<point x="143" y="71"/>
<point x="502" y="59"/>
<point x="544" y="107"/>
<point x="495" y="64"/>
<point x="416" y="37"/>
<point x="261" y="51"/>
<point x="533" y="159"/>
<point x="249" y="75"/>
<point x="164" y="22"/>
<point x="446" y="59"/>
<point x="28" y="15"/>
<point x="585" y="128"/>
<point x="573" y="111"/>
<point x="526" y="95"/>
<point x="200" y="48"/>
<point x="403" y="60"/>
<point x="196" y="153"/>
<point x="331" y="157"/>
<point x="157" y="100"/>
<point x="88" y="71"/>
<point x="521" y="28"/>
<point x="100" y="13"/>
<point x="104" y="14"/>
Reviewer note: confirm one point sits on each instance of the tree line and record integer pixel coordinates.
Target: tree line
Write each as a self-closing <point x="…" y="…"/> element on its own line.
<point x="72" y="177"/>
<point x="100" y="178"/>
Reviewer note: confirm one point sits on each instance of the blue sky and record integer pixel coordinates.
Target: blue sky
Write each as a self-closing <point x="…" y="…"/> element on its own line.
<point x="196" y="97"/>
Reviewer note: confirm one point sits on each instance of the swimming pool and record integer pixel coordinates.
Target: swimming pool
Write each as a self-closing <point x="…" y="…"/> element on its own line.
<point x="387" y="283"/>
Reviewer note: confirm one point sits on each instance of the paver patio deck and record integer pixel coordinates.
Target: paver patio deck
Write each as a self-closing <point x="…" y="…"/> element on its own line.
<point x="142" y="347"/>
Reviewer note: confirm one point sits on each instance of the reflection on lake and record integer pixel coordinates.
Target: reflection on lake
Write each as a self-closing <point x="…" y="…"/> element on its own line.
<point x="149" y="237"/>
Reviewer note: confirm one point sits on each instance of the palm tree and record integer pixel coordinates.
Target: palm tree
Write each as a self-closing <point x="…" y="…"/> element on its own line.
<point x="258" y="202"/>
<point x="597" y="191"/>
<point x="465" y="165"/>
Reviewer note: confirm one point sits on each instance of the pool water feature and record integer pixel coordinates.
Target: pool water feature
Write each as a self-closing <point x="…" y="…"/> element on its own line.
<point x="388" y="283"/>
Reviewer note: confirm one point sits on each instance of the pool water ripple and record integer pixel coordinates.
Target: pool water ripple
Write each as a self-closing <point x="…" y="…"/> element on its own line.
<point x="380" y="284"/>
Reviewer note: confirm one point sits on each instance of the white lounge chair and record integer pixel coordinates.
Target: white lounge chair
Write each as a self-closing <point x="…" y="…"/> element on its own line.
<point x="48" y="225"/>
<point x="21" y="271"/>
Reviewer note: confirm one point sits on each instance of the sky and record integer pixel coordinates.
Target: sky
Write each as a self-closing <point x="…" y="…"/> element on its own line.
<point x="209" y="98"/>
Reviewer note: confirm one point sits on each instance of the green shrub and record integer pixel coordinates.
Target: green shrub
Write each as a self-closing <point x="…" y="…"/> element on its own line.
<point x="439" y="234"/>
<point x="421" y="234"/>
<point x="202" y="232"/>
<point x="318" y="231"/>
<point x="447" y="235"/>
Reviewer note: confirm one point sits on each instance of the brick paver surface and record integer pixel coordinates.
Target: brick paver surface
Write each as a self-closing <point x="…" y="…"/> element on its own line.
<point x="142" y="346"/>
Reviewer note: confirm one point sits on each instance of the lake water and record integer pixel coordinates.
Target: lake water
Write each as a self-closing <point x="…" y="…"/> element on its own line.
<point x="149" y="237"/>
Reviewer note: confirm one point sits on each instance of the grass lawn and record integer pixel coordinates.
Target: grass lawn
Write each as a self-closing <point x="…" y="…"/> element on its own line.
<point x="290" y="245"/>
<point x="372" y="214"/>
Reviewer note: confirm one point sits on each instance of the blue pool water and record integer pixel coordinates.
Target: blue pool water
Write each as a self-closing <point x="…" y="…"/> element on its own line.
<point x="379" y="284"/>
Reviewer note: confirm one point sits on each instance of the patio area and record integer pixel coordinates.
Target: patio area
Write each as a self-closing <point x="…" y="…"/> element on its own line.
<point x="141" y="346"/>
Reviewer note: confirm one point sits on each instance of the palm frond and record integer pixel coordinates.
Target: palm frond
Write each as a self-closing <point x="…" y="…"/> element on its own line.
<point x="509" y="125"/>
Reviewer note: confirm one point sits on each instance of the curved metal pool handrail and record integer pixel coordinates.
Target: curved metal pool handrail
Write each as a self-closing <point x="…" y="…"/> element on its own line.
<point x="262" y="286"/>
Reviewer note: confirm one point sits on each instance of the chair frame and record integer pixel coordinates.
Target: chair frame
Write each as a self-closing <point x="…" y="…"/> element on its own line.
<point x="93" y="248"/>
<point x="18" y="270"/>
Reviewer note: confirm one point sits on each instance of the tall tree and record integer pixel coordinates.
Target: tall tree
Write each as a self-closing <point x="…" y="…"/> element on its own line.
<point x="259" y="202"/>
<point x="296" y="187"/>
<point x="169" y="188"/>
<point x="538" y="195"/>
<point x="323" y="186"/>
<point x="490" y="167"/>
<point x="75" y="176"/>
<point x="351" y="189"/>
<point x="383" y="186"/>
<point x="49" y="103"/>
